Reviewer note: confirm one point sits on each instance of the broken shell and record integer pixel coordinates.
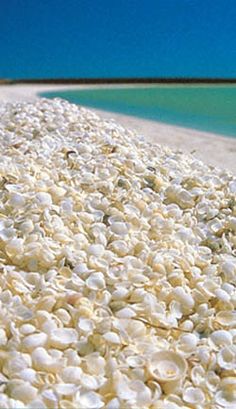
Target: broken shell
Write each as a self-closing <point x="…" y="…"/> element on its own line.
<point x="63" y="337"/>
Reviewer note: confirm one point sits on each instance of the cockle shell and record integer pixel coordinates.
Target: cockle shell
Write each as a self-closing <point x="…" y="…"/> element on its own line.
<point x="95" y="281"/>
<point x="193" y="396"/>
<point x="167" y="366"/>
<point x="226" y="395"/>
<point x="226" y="318"/>
<point x="221" y="337"/>
<point x="226" y="357"/>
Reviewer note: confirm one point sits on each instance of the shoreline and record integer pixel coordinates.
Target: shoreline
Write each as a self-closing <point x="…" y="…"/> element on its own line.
<point x="213" y="149"/>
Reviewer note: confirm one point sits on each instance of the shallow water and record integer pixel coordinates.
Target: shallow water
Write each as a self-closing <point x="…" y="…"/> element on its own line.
<point x="209" y="108"/>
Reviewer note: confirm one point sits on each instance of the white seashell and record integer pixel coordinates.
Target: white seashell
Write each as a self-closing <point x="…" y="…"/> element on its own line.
<point x="226" y="318"/>
<point x="126" y="313"/>
<point x="232" y="186"/>
<point x="95" y="364"/>
<point x="119" y="247"/>
<point x="49" y="396"/>
<point x="28" y="375"/>
<point x="89" y="400"/>
<point x="188" y="342"/>
<point x="3" y="337"/>
<point x="120" y="293"/>
<point x="86" y="325"/>
<point x="43" y="199"/>
<point x="71" y="374"/>
<point x="135" y="361"/>
<point x="119" y="228"/>
<point x="221" y="338"/>
<point x="226" y="357"/>
<point x="65" y="389"/>
<point x="27" y="329"/>
<point x="222" y="295"/>
<point x="96" y="281"/>
<point x="226" y="397"/>
<point x="228" y="268"/>
<point x="63" y="337"/>
<point x="112" y="337"/>
<point x="113" y="404"/>
<point x="16" y="200"/>
<point x="232" y="223"/>
<point x="143" y="393"/>
<point x="193" y="396"/>
<point x="14" y="247"/>
<point x="184" y="298"/>
<point x="34" y="340"/>
<point x="24" y="392"/>
<point x="167" y="366"/>
<point x="96" y="250"/>
<point x="43" y="361"/>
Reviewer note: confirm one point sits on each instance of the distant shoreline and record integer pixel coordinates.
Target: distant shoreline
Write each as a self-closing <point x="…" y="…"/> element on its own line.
<point x="154" y="80"/>
<point x="214" y="149"/>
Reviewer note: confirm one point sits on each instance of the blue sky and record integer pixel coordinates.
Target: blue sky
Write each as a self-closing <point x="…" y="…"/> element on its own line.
<point x="124" y="38"/>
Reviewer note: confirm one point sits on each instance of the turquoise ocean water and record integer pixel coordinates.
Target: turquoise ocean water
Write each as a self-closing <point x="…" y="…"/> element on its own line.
<point x="209" y="108"/>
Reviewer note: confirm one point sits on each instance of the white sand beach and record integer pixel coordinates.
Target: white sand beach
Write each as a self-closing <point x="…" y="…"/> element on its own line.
<point x="213" y="149"/>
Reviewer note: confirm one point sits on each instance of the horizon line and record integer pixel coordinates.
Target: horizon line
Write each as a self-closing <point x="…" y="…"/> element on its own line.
<point x="118" y="80"/>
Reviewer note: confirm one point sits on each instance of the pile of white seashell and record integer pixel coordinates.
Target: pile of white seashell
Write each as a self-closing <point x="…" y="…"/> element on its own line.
<point x="117" y="267"/>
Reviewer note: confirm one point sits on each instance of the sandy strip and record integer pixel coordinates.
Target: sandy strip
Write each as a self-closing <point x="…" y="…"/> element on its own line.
<point x="213" y="149"/>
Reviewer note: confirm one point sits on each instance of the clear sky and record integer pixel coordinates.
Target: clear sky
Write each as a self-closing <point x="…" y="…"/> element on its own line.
<point x="117" y="38"/>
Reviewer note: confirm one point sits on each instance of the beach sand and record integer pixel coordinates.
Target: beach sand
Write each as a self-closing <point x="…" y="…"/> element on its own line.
<point x="213" y="149"/>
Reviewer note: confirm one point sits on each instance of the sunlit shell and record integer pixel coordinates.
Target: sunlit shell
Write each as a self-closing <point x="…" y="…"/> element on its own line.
<point x="167" y="366"/>
<point x="226" y="318"/>
<point x="71" y="374"/>
<point x="119" y="228"/>
<point x="193" y="396"/>
<point x="226" y="395"/>
<point x="95" y="281"/>
<point x="112" y="337"/>
<point x="89" y="400"/>
<point x="34" y="340"/>
<point x="63" y="337"/>
<point x="23" y="391"/>
<point x="226" y="357"/>
<point x="221" y="337"/>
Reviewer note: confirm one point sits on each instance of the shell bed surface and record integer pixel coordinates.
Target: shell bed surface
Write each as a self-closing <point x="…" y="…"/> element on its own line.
<point x="117" y="267"/>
